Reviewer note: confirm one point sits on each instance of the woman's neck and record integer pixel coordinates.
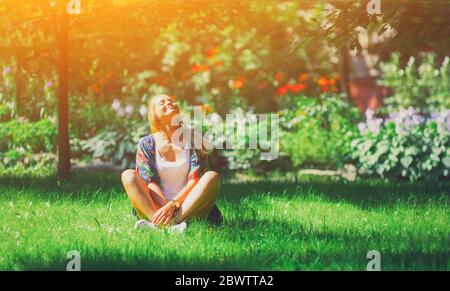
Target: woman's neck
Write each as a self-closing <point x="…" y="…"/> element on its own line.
<point x="168" y="130"/>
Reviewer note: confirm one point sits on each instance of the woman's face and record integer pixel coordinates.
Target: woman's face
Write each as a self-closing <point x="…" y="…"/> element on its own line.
<point x="165" y="108"/>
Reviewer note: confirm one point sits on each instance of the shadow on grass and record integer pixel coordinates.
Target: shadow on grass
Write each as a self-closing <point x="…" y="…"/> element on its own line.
<point x="362" y="193"/>
<point x="116" y="261"/>
<point x="320" y="250"/>
<point x="80" y="184"/>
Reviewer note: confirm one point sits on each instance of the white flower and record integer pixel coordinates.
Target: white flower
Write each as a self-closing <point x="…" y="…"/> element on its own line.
<point x="129" y="109"/>
<point x="370" y="113"/>
<point x="116" y="105"/>
<point x="121" y="112"/>
<point x="362" y="127"/>
<point x="143" y="110"/>
<point x="374" y="125"/>
<point x="215" y="118"/>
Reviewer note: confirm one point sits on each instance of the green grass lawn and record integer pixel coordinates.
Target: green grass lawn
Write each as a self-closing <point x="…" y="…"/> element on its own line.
<point x="312" y="224"/>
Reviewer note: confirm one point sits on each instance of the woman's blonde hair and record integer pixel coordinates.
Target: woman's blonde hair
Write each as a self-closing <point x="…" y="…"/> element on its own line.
<point x="154" y="121"/>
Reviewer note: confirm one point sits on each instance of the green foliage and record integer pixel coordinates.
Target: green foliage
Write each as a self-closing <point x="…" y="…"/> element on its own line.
<point x="206" y="53"/>
<point x="318" y="131"/>
<point x="117" y="143"/>
<point x="404" y="149"/>
<point x="20" y="140"/>
<point x="418" y="25"/>
<point x="328" y="120"/>
<point x="6" y="89"/>
<point x="30" y="166"/>
<point x="39" y="136"/>
<point x="5" y="112"/>
<point x="220" y="64"/>
<point x="243" y="157"/>
<point x="420" y="86"/>
<point x="88" y="119"/>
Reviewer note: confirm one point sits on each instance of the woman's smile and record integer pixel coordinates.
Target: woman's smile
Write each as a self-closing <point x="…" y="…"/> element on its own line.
<point x="169" y="108"/>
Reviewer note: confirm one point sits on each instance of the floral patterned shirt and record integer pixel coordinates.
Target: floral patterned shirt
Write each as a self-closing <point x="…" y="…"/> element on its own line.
<point x="145" y="162"/>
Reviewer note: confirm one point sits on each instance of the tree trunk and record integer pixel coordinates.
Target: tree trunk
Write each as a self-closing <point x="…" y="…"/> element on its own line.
<point x="345" y="70"/>
<point x="19" y="82"/>
<point x="63" y="98"/>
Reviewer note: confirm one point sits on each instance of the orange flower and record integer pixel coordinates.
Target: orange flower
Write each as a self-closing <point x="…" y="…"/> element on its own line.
<point x="207" y="109"/>
<point x="297" y="88"/>
<point x="173" y="97"/>
<point x="218" y="64"/>
<point x="95" y="88"/>
<point x="322" y="81"/>
<point x="323" y="88"/>
<point x="282" y="90"/>
<point x="196" y="68"/>
<point x="278" y="76"/>
<point x="199" y="68"/>
<point x="102" y="82"/>
<point x="332" y="82"/>
<point x="303" y="77"/>
<point x="238" y="82"/>
<point x="212" y="52"/>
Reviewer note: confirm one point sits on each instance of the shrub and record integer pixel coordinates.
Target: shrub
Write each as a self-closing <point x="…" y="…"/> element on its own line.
<point x="21" y="141"/>
<point x="404" y="145"/>
<point x="425" y="86"/>
<point x="38" y="136"/>
<point x="318" y="131"/>
<point x="117" y="143"/>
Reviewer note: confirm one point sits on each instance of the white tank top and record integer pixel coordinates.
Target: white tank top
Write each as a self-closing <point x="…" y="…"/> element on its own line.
<point x="173" y="175"/>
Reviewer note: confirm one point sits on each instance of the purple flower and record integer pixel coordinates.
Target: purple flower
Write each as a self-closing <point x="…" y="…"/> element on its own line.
<point x="116" y="105"/>
<point x="129" y="109"/>
<point x="143" y="110"/>
<point x="442" y="120"/>
<point x="121" y="112"/>
<point x="372" y="124"/>
<point x="434" y="115"/>
<point x="49" y="84"/>
<point x="362" y="127"/>
<point x="405" y="120"/>
<point x="7" y="70"/>
<point x="370" y="113"/>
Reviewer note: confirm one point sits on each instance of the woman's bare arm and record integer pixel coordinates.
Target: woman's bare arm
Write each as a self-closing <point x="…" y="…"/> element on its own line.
<point x="157" y="195"/>
<point x="185" y="191"/>
<point x="165" y="214"/>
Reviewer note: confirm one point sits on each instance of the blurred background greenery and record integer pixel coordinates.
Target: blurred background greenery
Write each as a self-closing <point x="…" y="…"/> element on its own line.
<point x="350" y="88"/>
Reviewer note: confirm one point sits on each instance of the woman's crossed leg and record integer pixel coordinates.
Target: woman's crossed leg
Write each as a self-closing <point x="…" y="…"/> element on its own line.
<point x="197" y="204"/>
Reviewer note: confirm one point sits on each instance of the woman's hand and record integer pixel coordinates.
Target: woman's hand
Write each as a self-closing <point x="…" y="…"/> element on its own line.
<point x="164" y="215"/>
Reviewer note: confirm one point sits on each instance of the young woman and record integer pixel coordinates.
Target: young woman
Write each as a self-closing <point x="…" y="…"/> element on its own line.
<point x="170" y="183"/>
